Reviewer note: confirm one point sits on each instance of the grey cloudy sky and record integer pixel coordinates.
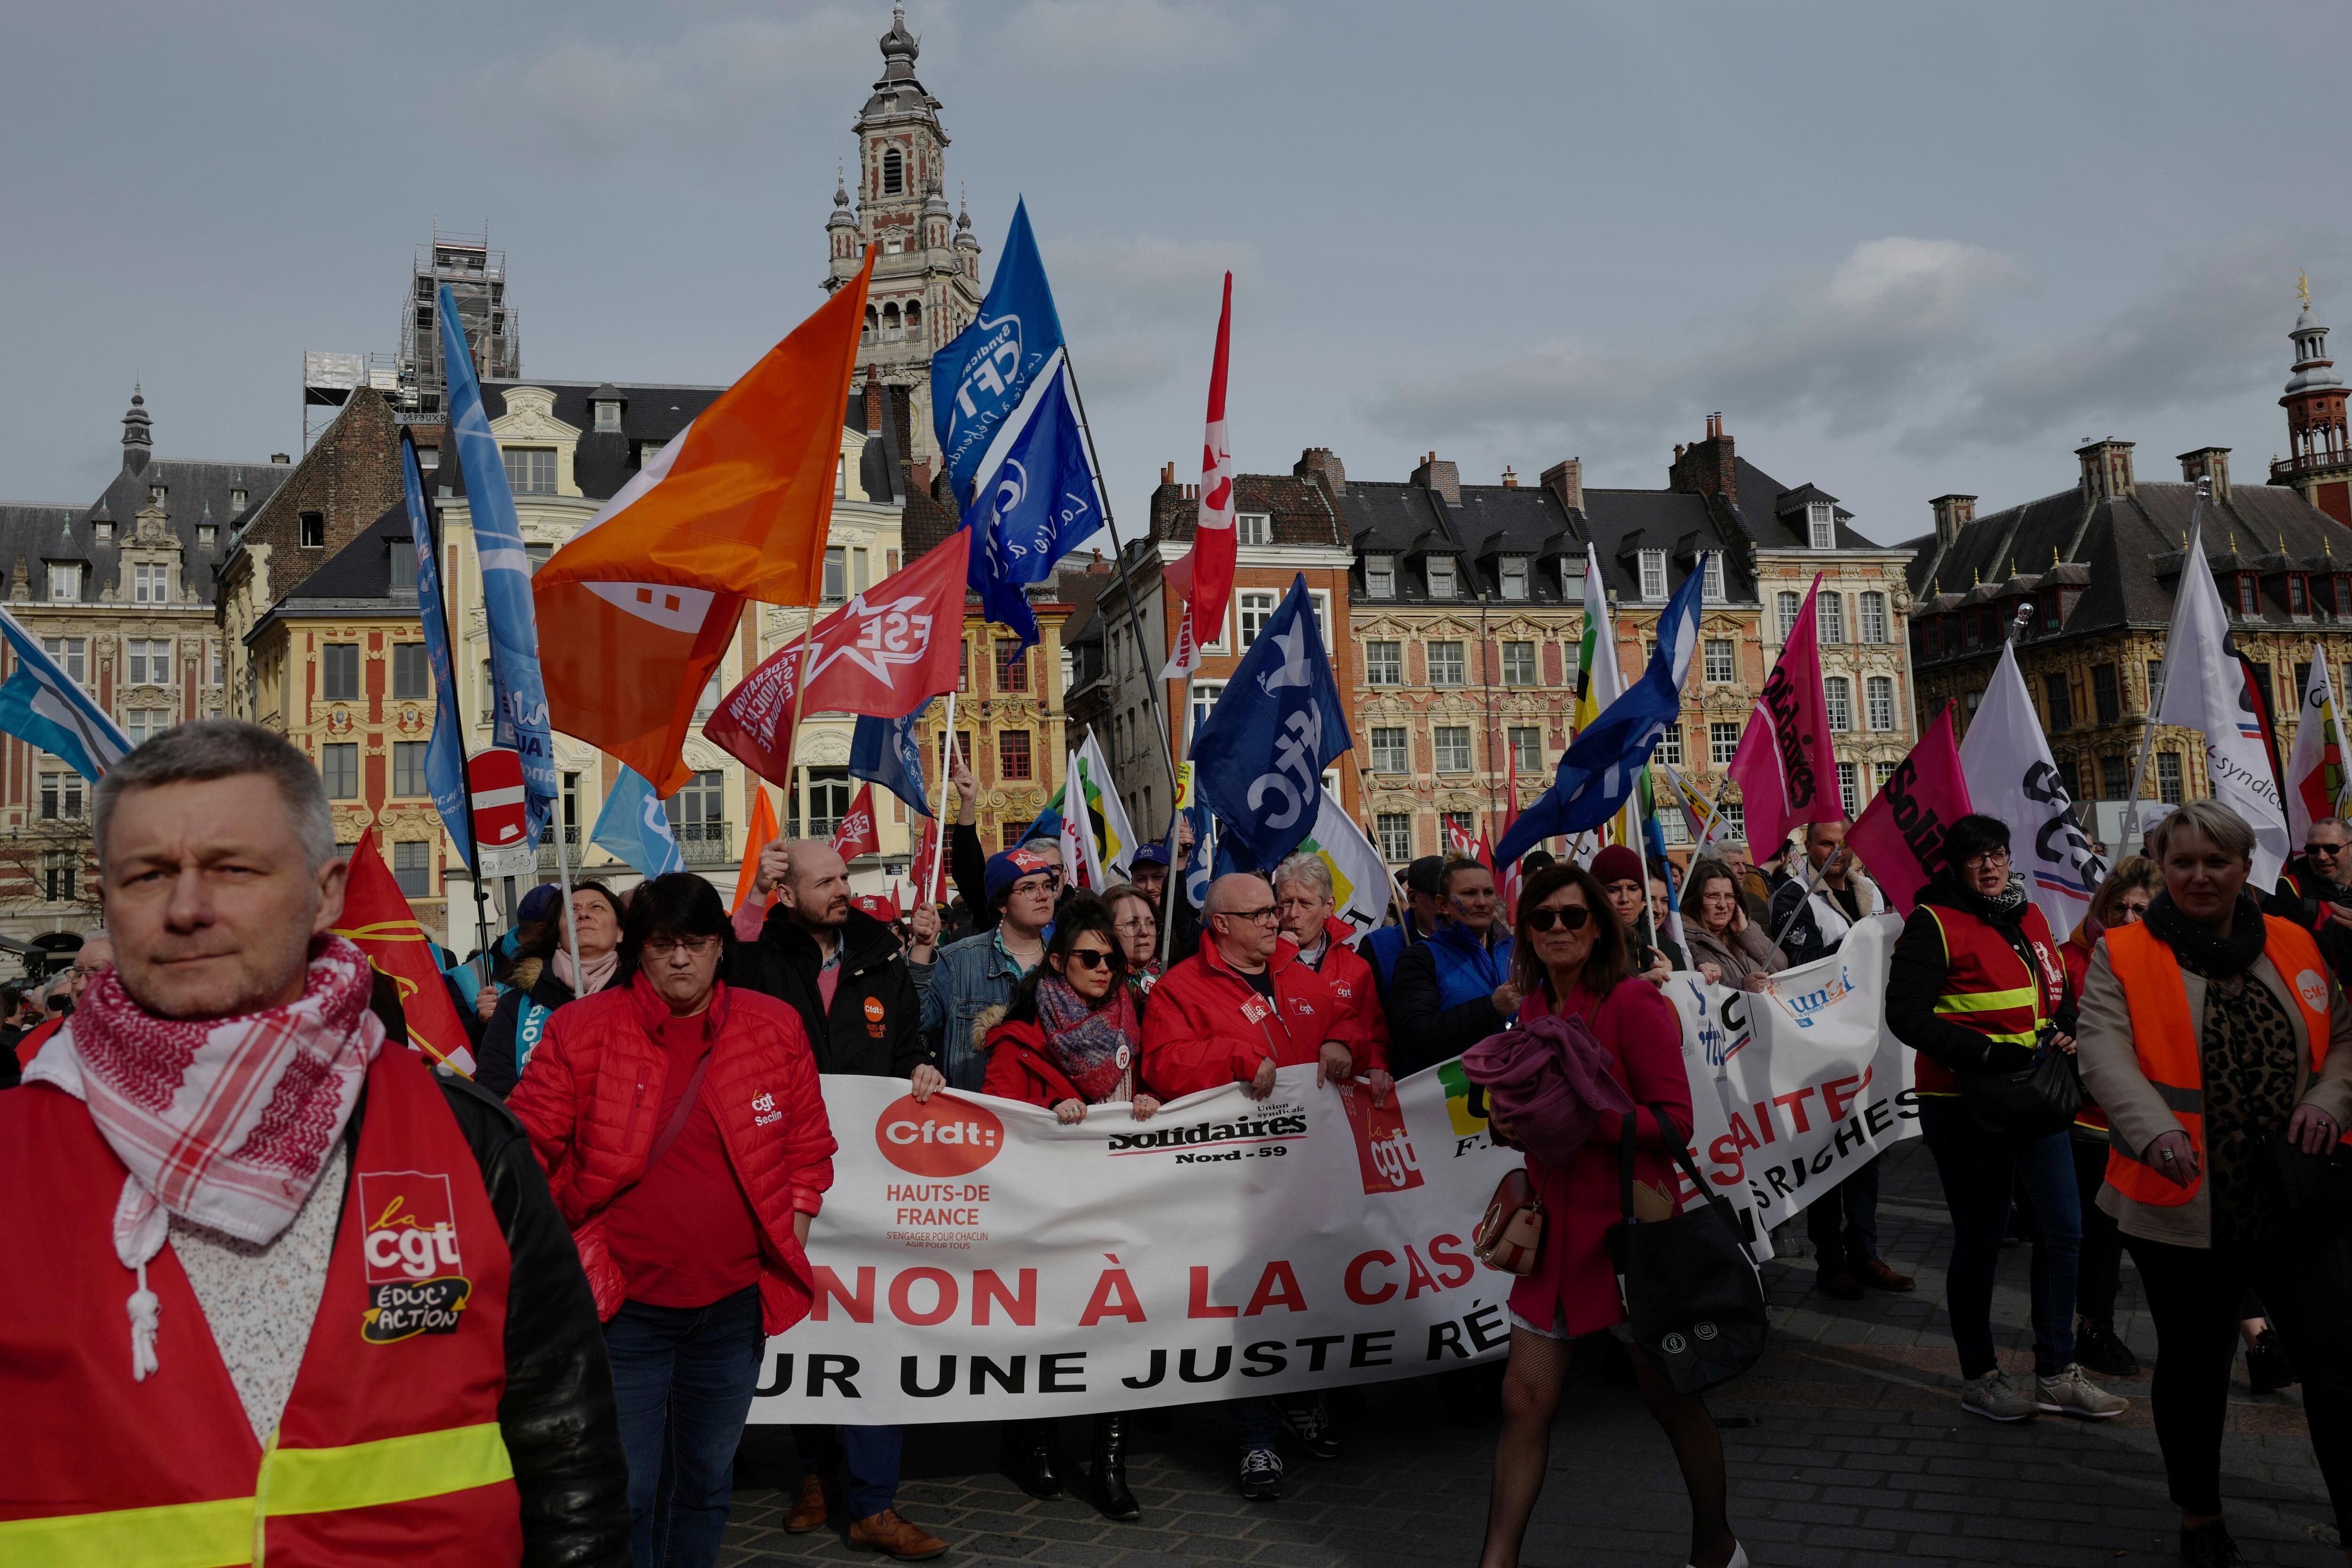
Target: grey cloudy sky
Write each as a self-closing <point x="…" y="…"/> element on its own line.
<point x="1906" y="249"/>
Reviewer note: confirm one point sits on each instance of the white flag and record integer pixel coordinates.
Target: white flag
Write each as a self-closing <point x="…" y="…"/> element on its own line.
<point x="2314" y="773"/>
<point x="2205" y="691"/>
<point x="1108" y="841"/>
<point x="1077" y="832"/>
<point x="1361" y="884"/>
<point x="2007" y="761"/>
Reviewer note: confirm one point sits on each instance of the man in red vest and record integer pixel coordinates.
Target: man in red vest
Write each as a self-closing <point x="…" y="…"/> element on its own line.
<point x="276" y="1290"/>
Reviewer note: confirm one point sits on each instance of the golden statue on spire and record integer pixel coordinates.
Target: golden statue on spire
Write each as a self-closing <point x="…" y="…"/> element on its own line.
<point x="2303" y="287"/>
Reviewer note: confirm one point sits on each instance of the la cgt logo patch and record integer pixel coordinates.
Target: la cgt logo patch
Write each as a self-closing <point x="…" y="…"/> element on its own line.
<point x="415" y="1277"/>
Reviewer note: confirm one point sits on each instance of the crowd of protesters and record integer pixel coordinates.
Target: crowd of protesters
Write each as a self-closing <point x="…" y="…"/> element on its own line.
<point x="646" y="1137"/>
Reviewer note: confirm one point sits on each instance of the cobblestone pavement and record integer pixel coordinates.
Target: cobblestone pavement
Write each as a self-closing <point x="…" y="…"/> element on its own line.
<point x="1847" y="1449"/>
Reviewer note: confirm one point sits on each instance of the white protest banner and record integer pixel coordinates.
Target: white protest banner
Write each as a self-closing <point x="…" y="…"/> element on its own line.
<point x="1796" y="1087"/>
<point x="978" y="1260"/>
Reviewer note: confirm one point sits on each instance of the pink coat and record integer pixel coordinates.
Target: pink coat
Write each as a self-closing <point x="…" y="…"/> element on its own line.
<point x="1575" y="1279"/>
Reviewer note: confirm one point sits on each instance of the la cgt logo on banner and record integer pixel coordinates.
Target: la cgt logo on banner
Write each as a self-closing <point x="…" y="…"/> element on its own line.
<point x="416" y="1279"/>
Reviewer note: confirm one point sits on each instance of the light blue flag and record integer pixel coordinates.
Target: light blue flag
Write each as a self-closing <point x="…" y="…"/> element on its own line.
<point x="633" y="826"/>
<point x="444" y="752"/>
<point x="1038" y="500"/>
<point x="41" y="706"/>
<point x="886" y="751"/>
<point x="519" y="718"/>
<point x="978" y="379"/>
<point x="1259" y="759"/>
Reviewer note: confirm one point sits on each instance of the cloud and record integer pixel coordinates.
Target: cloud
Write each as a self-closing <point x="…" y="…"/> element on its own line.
<point x="1135" y="306"/>
<point x="1082" y="42"/>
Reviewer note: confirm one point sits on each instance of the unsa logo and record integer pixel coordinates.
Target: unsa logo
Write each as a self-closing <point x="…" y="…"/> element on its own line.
<point x="944" y="1136"/>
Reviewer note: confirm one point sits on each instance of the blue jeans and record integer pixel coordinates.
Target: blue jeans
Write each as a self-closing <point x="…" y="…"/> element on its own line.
<point x="1844" y="1222"/>
<point x="1979" y="1173"/>
<point x="683" y="1379"/>
<point x="870" y="1455"/>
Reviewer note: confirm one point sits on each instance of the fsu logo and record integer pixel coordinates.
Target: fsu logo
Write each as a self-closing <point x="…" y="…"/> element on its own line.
<point x="408" y="1245"/>
<point x="1384" y="1151"/>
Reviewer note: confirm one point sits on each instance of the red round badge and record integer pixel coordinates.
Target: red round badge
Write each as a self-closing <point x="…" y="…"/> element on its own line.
<point x="945" y="1137"/>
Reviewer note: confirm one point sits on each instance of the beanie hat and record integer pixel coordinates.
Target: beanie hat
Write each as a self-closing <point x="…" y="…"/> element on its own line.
<point x="540" y="903"/>
<point x="1008" y="867"/>
<point x="1426" y="875"/>
<point x="1618" y="863"/>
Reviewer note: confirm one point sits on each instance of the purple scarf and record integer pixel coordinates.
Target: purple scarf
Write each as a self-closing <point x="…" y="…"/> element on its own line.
<point x="1094" y="1045"/>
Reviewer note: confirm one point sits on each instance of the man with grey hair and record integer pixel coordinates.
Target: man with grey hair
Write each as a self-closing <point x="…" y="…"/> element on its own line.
<point x="1307" y="905"/>
<point x="279" y="1195"/>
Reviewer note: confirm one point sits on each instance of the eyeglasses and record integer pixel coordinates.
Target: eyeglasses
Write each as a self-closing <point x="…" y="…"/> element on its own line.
<point x="695" y="946"/>
<point x="1261" y="916"/>
<point x="1092" y="958"/>
<point x="2127" y="912"/>
<point x="1989" y="858"/>
<point x="1136" y="927"/>
<point x="1043" y="882"/>
<point x="2330" y="850"/>
<point x="1570" y="918"/>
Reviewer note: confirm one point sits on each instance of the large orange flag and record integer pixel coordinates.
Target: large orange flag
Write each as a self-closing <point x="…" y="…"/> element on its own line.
<point x="376" y="916"/>
<point x="636" y="612"/>
<point x="755" y="839"/>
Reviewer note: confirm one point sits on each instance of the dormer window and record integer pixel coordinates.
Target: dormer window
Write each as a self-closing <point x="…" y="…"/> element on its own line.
<point x="65" y="580"/>
<point x="1821" y="519"/>
<point x="1572" y="577"/>
<point x="608" y="416"/>
<point x="1253" y="528"/>
<point x="237" y="498"/>
<point x="206" y="534"/>
<point x="151" y="583"/>
<point x="1441" y="577"/>
<point x="530" y="471"/>
<point x="2298" y="596"/>
<point x="1653" y="573"/>
<point x="2250" y="595"/>
<point x="1714" y="592"/>
<point x="103" y="533"/>
<point x="156" y="494"/>
<point x="2053" y="612"/>
<point x="1379" y="576"/>
<point x="1515" y="576"/>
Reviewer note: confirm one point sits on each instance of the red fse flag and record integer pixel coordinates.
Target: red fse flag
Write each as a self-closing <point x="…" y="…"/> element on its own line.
<point x="1900" y="835"/>
<point x="856" y="836"/>
<point x="1784" y="769"/>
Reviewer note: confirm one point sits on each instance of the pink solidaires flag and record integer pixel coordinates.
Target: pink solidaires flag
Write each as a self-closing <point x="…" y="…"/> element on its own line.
<point x="1205" y="579"/>
<point x="1900" y="836"/>
<point x="1786" y="774"/>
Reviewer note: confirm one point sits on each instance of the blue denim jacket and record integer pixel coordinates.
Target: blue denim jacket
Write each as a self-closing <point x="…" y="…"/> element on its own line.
<point x="968" y="978"/>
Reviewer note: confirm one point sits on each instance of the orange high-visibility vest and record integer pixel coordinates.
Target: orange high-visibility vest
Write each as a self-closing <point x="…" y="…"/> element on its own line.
<point x="2165" y="1040"/>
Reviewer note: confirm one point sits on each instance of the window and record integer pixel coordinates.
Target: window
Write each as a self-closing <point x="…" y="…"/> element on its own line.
<point x="2106" y="694"/>
<point x="1572" y="577"/>
<point x="1441" y="576"/>
<point x="1253" y="528"/>
<point x="2250" y="595"/>
<point x="340" y="766"/>
<point x="1257" y="607"/>
<point x="143" y="724"/>
<point x="1829" y="618"/>
<point x="1205" y="697"/>
<point x="151" y="583"/>
<point x="412" y="671"/>
<point x="148" y="662"/>
<point x="709" y="695"/>
<point x="1515" y="576"/>
<point x="2298" y="598"/>
<point x="530" y="471"/>
<point x="1878" y="701"/>
<point x="1721" y="661"/>
<point x="2059" y="702"/>
<point x="571" y="808"/>
<point x="206" y="534"/>
<point x="412" y="868"/>
<point x="1821" y="519"/>
<point x="61" y="797"/>
<point x="1790" y="605"/>
<point x="339" y="672"/>
<point x="103" y="533"/>
<point x="2053" y="610"/>
<point x="1722" y="743"/>
<point x="608" y="416"/>
<point x="2168" y="777"/>
<point x="1713" y="592"/>
<point x="1672" y="830"/>
<point x="1446" y="668"/>
<point x="2113" y="782"/>
<point x="1670" y="745"/>
<point x="1734" y="821"/>
<point x="1838" y="692"/>
<point x="1849" y="789"/>
<point x="1527" y="748"/>
<point x="1653" y="573"/>
<point x="65" y="580"/>
<point x="1874" y="617"/>
<point x="156" y="494"/>
<point x="1453" y="748"/>
<point x="1462" y="820"/>
<point x="836" y="574"/>
<point x="1011" y="834"/>
<point x="408" y="768"/>
<point x="1879" y="773"/>
<point x="2154" y="682"/>
<point x="58" y="872"/>
<point x="1012" y="665"/>
<point x="894" y="173"/>
<point x="1389" y="754"/>
<point x="1518" y="663"/>
<point x="1012" y="760"/>
<point x="313" y="528"/>
<point x="400" y="565"/>
<point x="1384" y="663"/>
<point x="1396" y="834"/>
<point x="1379" y="576"/>
<point x="235" y="502"/>
<point x="828" y="802"/>
<point x="71" y="654"/>
<point x="858" y="559"/>
<point x="697" y="812"/>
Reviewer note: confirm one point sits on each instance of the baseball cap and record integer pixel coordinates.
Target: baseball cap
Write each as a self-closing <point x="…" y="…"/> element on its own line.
<point x="1154" y="853"/>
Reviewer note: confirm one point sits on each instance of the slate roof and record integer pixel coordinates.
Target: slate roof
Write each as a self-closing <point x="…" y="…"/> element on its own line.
<point x="1298" y="513"/>
<point x="360" y="572"/>
<point x="197" y="492"/>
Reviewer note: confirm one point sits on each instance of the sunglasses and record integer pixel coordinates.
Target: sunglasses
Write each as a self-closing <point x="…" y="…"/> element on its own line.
<point x="1091" y="958"/>
<point x="1572" y="918"/>
<point x="2331" y="850"/>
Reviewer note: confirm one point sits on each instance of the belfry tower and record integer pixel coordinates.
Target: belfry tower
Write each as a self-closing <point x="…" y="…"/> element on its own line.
<point x="2318" y="463"/>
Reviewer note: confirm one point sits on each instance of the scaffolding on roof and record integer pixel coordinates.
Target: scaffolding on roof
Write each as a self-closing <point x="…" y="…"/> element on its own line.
<point x="476" y="276"/>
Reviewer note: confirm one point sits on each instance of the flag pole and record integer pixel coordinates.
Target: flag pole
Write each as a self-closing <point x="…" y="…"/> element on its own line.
<point x="2164" y="674"/>
<point x="930" y="886"/>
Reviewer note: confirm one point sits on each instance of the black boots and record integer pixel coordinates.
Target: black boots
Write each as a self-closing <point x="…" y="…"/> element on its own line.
<point x="1111" y="1495"/>
<point x="1029" y="1458"/>
<point x="2100" y="1349"/>
<point x="2268" y="1370"/>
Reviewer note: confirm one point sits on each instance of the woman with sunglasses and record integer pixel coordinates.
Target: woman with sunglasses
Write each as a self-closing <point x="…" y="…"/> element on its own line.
<point x="1571" y="960"/>
<point x="1728" y="948"/>
<point x="1068" y="1040"/>
<point x="2120" y="900"/>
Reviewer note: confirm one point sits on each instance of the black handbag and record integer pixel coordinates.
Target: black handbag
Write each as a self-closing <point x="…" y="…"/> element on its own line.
<point x="2309" y="1189"/>
<point x="2030" y="1104"/>
<point x="1693" y="1299"/>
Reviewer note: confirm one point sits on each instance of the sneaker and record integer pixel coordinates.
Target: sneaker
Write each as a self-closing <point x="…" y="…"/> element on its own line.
<point x="1310" y="1422"/>
<point x="1261" y="1475"/>
<point x="1995" y="1398"/>
<point x="2101" y="1350"/>
<point x="2072" y="1394"/>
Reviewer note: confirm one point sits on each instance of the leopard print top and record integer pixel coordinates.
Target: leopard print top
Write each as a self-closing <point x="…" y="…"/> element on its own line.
<point x="2251" y="1066"/>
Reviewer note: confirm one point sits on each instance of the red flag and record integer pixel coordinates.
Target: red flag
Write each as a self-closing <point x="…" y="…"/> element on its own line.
<point x="856" y="836"/>
<point x="887" y="652"/>
<point x="376" y="916"/>
<point x="1784" y="768"/>
<point x="1205" y="579"/>
<point x="1900" y="835"/>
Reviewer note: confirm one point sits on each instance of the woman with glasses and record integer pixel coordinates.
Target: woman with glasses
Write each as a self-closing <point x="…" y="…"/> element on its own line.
<point x="1135" y="919"/>
<point x="1978" y="985"/>
<point x="1068" y="1040"/>
<point x="1571" y="959"/>
<point x="1728" y="948"/>
<point x="2120" y="900"/>
<point x="684" y="1137"/>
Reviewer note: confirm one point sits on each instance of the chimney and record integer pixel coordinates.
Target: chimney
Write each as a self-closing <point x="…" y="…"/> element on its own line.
<point x="1321" y="462"/>
<point x="1566" y="481"/>
<point x="873" y="402"/>
<point x="918" y="475"/>
<point x="2208" y="463"/>
<point x="280" y="458"/>
<point x="1706" y="468"/>
<point x="1510" y="477"/>
<point x="2106" y="469"/>
<point x="1437" y="474"/>
<point x="1167" y="473"/>
<point x="1953" y="513"/>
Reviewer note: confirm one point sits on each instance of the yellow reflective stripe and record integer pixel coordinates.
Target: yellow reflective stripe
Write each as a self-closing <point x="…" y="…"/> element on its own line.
<point x="392" y="1469"/>
<point x="177" y="1535"/>
<point x="2016" y="1038"/>
<point x="1989" y="1001"/>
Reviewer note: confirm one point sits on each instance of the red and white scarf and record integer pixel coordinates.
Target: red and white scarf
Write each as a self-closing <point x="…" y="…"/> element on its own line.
<point x="225" y="1122"/>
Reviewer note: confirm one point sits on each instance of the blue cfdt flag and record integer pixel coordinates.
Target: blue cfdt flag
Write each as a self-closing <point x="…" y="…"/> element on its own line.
<point x="444" y="752"/>
<point x="519" y="712"/>
<point x="633" y="826"/>
<point x="1597" y="775"/>
<point x="886" y="751"/>
<point x="1259" y="759"/>
<point x="1036" y="503"/>
<point x="980" y="378"/>
<point x="41" y="705"/>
